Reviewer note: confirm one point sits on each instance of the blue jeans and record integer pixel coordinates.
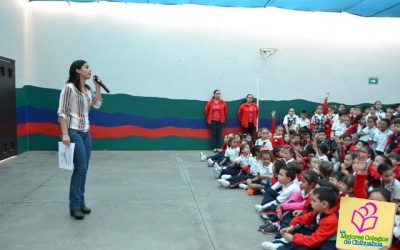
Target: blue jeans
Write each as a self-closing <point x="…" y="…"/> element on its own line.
<point x="83" y="147"/>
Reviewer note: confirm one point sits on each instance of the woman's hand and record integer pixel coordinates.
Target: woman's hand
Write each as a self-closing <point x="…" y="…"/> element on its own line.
<point x="96" y="81"/>
<point x="65" y="139"/>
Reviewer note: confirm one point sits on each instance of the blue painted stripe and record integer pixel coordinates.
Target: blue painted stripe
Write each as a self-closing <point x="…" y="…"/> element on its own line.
<point x="33" y="114"/>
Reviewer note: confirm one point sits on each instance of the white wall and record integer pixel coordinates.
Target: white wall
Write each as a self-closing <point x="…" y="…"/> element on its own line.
<point x="12" y="43"/>
<point x="185" y="52"/>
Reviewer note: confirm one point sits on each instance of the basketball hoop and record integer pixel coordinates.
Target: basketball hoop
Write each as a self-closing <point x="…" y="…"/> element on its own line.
<point x="267" y="52"/>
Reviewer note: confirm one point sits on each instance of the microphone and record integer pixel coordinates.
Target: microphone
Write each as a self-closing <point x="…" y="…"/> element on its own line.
<point x="96" y="78"/>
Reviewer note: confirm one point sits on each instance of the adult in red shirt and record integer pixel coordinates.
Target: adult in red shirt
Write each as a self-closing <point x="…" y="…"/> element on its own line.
<point x="248" y="115"/>
<point x="216" y="111"/>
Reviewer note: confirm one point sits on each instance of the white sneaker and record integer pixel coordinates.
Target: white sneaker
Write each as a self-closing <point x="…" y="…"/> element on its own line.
<point x="267" y="245"/>
<point x="217" y="170"/>
<point x="226" y="176"/>
<point x="243" y="186"/>
<point x="258" y="207"/>
<point x="210" y="162"/>
<point x="203" y="157"/>
<point x="224" y="183"/>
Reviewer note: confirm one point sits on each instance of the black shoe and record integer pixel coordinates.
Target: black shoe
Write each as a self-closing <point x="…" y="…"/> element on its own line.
<point x="85" y="209"/>
<point x="77" y="214"/>
<point x="271" y="229"/>
<point x="266" y="224"/>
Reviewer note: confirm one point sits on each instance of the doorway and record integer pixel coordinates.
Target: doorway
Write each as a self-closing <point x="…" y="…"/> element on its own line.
<point x="8" y="119"/>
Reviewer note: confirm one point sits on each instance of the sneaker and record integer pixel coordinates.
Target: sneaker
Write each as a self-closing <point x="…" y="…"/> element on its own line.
<point x="242" y="186"/>
<point x="281" y="241"/>
<point x="272" y="228"/>
<point x="224" y="183"/>
<point x="226" y="176"/>
<point x="217" y="171"/>
<point x="267" y="245"/>
<point x="264" y="225"/>
<point x="210" y="162"/>
<point x="258" y="207"/>
<point x="203" y="157"/>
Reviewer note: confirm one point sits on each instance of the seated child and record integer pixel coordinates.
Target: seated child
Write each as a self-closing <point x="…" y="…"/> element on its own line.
<point x="272" y="199"/>
<point x="264" y="168"/>
<point x="395" y="159"/>
<point x="296" y="201"/>
<point x="237" y="163"/>
<point x="264" y="140"/>
<point x="217" y="157"/>
<point x="259" y="182"/>
<point x="316" y="229"/>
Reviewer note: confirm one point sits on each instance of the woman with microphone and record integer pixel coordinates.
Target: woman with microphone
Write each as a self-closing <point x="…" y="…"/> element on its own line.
<point x="76" y="98"/>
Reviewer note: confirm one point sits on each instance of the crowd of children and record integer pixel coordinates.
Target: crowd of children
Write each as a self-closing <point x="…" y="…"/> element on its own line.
<point x="302" y="168"/>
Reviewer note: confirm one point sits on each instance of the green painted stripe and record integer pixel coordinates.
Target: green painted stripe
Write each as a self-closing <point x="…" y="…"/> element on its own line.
<point x="22" y="144"/>
<point x="153" y="107"/>
<point x="45" y="142"/>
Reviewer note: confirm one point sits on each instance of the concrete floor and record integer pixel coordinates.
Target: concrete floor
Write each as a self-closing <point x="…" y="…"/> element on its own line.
<point x="139" y="200"/>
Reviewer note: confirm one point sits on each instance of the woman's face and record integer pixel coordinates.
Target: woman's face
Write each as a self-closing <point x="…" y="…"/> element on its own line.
<point x="217" y="95"/>
<point x="84" y="72"/>
<point x="249" y="98"/>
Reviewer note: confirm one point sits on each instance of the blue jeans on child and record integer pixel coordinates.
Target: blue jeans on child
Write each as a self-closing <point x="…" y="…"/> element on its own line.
<point x="83" y="147"/>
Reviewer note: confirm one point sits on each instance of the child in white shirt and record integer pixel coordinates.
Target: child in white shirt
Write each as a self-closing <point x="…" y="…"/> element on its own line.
<point x="264" y="140"/>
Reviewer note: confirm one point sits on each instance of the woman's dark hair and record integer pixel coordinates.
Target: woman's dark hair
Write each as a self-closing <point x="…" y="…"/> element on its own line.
<point x="245" y="99"/>
<point x="215" y="91"/>
<point x="74" y="76"/>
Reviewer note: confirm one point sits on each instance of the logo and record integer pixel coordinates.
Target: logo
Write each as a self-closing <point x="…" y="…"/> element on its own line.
<point x="364" y="218"/>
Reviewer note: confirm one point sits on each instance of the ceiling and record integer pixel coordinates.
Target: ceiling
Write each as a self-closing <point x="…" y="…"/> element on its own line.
<point x="365" y="8"/>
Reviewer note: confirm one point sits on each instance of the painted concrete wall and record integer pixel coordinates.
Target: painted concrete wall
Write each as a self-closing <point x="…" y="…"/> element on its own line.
<point x="170" y="51"/>
<point x="163" y="62"/>
<point x="12" y="34"/>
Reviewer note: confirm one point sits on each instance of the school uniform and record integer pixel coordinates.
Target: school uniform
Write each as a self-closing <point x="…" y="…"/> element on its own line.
<point x="265" y="143"/>
<point x="290" y="121"/>
<point x="318" y="122"/>
<point x="284" y="194"/>
<point x="394" y="188"/>
<point x="235" y="168"/>
<point x="381" y="139"/>
<point x="371" y="133"/>
<point x="393" y="143"/>
<point x="303" y="123"/>
<point x="339" y="128"/>
<point x="314" y="230"/>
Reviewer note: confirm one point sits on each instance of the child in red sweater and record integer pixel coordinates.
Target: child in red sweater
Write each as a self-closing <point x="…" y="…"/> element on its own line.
<point x="395" y="159"/>
<point x="312" y="230"/>
<point x="276" y="132"/>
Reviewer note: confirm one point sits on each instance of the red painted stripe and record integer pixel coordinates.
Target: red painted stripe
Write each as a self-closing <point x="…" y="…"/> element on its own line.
<point x="119" y="131"/>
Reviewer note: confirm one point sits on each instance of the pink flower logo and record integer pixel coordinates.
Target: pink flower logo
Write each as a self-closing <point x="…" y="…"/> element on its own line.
<point x="363" y="218"/>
